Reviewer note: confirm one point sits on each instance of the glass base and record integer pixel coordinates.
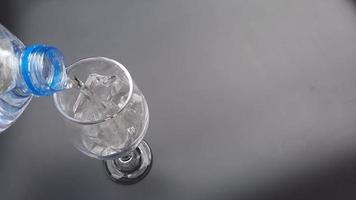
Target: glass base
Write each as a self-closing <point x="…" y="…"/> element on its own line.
<point x="132" y="168"/>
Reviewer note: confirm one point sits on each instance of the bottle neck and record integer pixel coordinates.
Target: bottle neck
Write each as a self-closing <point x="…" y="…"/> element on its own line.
<point x="42" y="69"/>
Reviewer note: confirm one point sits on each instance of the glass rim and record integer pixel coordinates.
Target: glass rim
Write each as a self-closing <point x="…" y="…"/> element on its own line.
<point x="130" y="93"/>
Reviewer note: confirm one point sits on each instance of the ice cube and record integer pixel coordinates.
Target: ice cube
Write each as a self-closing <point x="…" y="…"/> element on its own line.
<point x="85" y="108"/>
<point x="134" y="110"/>
<point x="97" y="97"/>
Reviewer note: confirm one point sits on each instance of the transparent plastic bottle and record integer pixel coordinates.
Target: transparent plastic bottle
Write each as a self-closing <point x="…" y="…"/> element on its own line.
<point x="36" y="70"/>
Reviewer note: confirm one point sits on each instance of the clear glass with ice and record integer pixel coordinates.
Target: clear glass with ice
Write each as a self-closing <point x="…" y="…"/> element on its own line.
<point x="109" y="117"/>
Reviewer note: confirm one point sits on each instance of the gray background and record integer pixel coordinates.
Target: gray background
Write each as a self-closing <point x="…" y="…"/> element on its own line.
<point x="249" y="99"/>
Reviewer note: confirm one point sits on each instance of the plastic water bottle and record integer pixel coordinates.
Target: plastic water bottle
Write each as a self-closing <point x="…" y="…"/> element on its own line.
<point x="36" y="70"/>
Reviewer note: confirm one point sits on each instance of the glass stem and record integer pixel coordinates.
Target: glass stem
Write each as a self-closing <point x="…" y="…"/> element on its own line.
<point x="129" y="162"/>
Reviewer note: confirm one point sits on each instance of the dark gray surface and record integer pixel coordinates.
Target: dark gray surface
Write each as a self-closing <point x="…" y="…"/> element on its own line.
<point x="248" y="99"/>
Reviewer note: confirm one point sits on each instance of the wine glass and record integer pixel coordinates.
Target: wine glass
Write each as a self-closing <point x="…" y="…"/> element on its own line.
<point x="108" y="117"/>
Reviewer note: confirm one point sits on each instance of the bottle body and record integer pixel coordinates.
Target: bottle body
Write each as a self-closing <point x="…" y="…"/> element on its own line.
<point x="12" y="101"/>
<point x="26" y="72"/>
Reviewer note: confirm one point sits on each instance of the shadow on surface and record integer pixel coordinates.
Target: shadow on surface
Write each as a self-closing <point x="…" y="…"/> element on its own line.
<point x="353" y="2"/>
<point x="6" y="14"/>
<point x="67" y="183"/>
<point x="335" y="181"/>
